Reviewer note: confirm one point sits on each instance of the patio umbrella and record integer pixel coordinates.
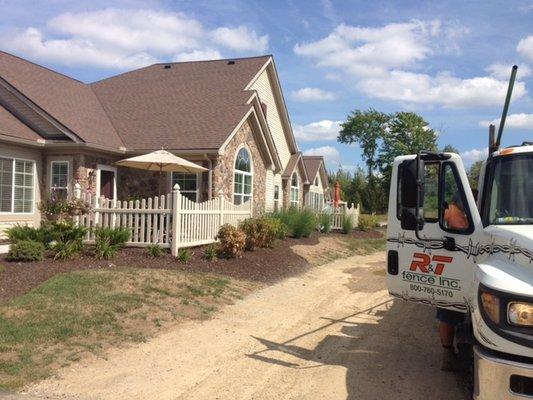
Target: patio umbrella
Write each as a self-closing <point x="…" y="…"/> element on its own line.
<point x="162" y="161"/>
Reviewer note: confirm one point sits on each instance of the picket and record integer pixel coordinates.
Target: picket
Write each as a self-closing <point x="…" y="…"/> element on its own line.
<point x="170" y="220"/>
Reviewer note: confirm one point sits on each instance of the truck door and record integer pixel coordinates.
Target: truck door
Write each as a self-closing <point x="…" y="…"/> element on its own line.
<point x="434" y="263"/>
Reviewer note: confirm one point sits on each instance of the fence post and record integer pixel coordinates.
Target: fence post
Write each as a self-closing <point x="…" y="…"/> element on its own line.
<point x="176" y="219"/>
<point x="220" y="208"/>
<point x="77" y="196"/>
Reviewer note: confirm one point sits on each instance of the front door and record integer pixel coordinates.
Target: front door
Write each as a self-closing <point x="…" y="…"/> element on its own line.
<point x="437" y="266"/>
<point x="107" y="184"/>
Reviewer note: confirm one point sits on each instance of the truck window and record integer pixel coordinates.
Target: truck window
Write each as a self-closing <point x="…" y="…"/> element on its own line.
<point x="431" y="190"/>
<point x="455" y="215"/>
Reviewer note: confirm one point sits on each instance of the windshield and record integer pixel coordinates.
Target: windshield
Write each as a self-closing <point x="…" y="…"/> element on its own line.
<point x="511" y="194"/>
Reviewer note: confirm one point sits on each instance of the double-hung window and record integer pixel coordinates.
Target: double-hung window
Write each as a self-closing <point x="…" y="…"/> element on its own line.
<point x="295" y="190"/>
<point x="188" y="184"/>
<point x="16" y="185"/>
<point x="59" y="173"/>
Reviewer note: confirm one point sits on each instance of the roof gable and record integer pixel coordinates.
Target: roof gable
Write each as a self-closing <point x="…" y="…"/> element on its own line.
<point x="66" y="100"/>
<point x="295" y="162"/>
<point x="315" y="166"/>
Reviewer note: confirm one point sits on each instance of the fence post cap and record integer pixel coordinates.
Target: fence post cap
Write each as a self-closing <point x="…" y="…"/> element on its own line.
<point x="77" y="185"/>
<point x="176" y="187"/>
<point x="220" y="193"/>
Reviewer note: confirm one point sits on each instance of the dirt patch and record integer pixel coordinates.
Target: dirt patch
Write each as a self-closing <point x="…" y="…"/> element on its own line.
<point x="262" y="265"/>
<point x="337" y="245"/>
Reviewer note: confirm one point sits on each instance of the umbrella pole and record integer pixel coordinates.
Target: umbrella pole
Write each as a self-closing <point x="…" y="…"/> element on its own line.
<point x="160" y="176"/>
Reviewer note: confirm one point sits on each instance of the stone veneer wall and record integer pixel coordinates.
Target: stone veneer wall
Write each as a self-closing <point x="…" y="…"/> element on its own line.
<point x="287" y="192"/>
<point x="223" y="168"/>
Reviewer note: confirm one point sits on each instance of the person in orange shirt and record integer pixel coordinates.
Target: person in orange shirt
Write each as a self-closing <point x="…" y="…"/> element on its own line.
<point x="454" y="215"/>
<point x="454" y="218"/>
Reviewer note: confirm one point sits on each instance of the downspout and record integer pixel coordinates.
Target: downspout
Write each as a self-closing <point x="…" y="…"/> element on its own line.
<point x="209" y="177"/>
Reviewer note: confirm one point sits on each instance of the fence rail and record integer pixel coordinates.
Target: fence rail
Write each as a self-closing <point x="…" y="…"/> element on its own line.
<point x="171" y="220"/>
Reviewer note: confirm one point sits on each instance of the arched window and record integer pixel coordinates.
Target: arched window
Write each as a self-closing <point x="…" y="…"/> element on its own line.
<point x="295" y="189"/>
<point x="242" y="177"/>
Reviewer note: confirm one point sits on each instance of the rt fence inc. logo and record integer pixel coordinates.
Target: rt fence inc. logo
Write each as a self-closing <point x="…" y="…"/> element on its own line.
<point x="423" y="261"/>
<point x="426" y="274"/>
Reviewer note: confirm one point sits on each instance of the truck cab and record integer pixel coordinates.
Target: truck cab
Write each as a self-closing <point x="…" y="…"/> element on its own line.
<point x="482" y="267"/>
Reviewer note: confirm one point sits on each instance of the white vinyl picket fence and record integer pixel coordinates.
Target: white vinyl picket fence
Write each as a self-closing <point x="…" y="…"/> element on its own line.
<point x="171" y="221"/>
<point x="339" y="213"/>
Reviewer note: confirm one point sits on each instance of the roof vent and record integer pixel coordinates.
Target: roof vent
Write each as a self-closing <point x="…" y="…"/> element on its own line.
<point x="167" y="66"/>
<point x="231" y="62"/>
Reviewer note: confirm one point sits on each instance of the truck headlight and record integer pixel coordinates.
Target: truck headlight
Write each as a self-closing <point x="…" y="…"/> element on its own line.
<point x="491" y="305"/>
<point x="519" y="313"/>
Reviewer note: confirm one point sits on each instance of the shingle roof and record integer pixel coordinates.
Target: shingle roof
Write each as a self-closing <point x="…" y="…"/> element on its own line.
<point x="181" y="106"/>
<point x="294" y="160"/>
<point x="12" y="126"/>
<point x="70" y="101"/>
<point x="191" y="105"/>
<point x="312" y="165"/>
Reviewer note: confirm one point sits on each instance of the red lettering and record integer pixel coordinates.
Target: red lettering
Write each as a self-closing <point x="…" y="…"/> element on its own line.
<point x="422" y="263"/>
<point x="439" y="268"/>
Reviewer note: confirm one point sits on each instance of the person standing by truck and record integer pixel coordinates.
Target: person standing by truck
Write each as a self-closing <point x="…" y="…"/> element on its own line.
<point x="454" y="218"/>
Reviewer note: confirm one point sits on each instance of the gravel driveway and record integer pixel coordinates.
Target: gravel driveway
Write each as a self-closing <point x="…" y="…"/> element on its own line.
<point x="331" y="333"/>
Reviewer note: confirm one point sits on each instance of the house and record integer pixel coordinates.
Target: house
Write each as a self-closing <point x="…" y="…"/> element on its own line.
<point x="226" y="115"/>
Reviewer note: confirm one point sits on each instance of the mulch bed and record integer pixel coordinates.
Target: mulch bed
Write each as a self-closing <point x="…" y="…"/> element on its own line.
<point x="261" y="265"/>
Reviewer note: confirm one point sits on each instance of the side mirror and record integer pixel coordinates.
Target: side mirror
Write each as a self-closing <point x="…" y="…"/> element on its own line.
<point x="412" y="193"/>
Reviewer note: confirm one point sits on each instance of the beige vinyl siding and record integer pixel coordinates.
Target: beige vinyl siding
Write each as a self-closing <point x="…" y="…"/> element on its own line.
<point x="272" y="180"/>
<point x="33" y="219"/>
<point x="264" y="88"/>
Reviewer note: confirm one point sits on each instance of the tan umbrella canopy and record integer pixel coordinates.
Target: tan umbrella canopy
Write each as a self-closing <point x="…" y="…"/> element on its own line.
<point x="162" y="161"/>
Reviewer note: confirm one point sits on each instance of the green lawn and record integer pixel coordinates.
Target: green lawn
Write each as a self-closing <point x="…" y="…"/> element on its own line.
<point x="87" y="311"/>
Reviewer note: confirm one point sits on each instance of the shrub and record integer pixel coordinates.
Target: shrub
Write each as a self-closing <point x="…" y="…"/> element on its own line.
<point x="23" y="232"/>
<point x="64" y="238"/>
<point x="185" y="255"/>
<point x="300" y="223"/>
<point x="108" y="241"/>
<point x="155" y="251"/>
<point x="211" y="252"/>
<point x="324" y="223"/>
<point x="367" y="222"/>
<point x="56" y="209"/>
<point x="260" y="232"/>
<point x="232" y="241"/>
<point x="26" y="250"/>
<point x="280" y="229"/>
<point x="347" y="224"/>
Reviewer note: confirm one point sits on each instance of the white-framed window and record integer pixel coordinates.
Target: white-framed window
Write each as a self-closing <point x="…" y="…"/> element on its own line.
<point x="16" y="185"/>
<point x="242" y="177"/>
<point x="59" y="179"/>
<point x="295" y="189"/>
<point x="276" y="197"/>
<point x="188" y="184"/>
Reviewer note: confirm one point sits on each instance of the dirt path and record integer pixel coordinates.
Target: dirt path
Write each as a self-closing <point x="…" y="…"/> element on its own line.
<point x="332" y="333"/>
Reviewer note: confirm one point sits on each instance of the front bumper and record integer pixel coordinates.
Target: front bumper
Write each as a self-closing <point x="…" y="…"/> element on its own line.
<point x="492" y="379"/>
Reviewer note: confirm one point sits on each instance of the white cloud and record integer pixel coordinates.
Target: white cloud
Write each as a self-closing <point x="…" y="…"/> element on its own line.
<point x="320" y="130"/>
<point x="240" y="39"/>
<point x="371" y="51"/>
<point x="443" y="89"/>
<point x="471" y="156"/>
<point x="308" y="94"/>
<point x="503" y="71"/>
<point x="330" y="153"/>
<point x="525" y="47"/>
<point x="383" y="63"/>
<point x="197" y="55"/>
<point x="521" y="121"/>
<point x="128" y="38"/>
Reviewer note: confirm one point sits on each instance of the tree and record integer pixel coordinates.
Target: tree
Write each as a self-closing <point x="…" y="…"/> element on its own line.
<point x="366" y="128"/>
<point x="473" y="174"/>
<point x="408" y="133"/>
<point x="450" y="149"/>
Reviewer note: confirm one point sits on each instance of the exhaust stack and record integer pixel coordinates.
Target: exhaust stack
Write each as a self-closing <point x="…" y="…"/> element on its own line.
<point x="497" y="143"/>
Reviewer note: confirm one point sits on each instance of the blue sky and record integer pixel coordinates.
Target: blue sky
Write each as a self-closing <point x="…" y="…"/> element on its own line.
<point x="447" y="60"/>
